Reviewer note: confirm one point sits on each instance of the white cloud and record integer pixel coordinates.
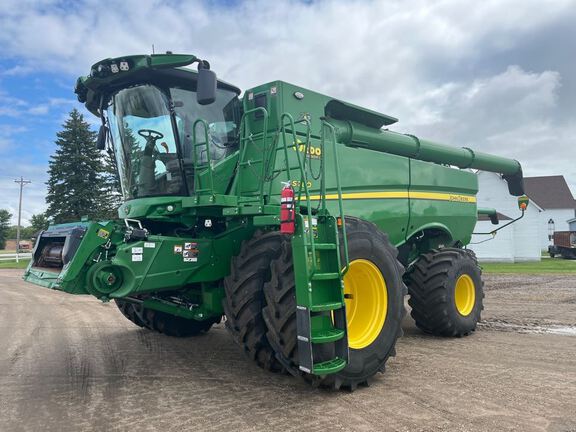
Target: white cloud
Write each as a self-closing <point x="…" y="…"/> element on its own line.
<point x="17" y="107"/>
<point x="6" y="137"/>
<point x="444" y="68"/>
<point x="38" y="110"/>
<point x="499" y="104"/>
<point x="10" y="106"/>
<point x="44" y="108"/>
<point x="17" y="70"/>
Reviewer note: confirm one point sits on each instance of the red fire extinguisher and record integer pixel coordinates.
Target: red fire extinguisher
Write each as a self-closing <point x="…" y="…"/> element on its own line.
<point x="287" y="216"/>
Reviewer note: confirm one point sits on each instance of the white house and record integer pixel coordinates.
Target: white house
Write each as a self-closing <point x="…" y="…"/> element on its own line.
<point x="518" y="242"/>
<point x="552" y="208"/>
<point x="552" y="194"/>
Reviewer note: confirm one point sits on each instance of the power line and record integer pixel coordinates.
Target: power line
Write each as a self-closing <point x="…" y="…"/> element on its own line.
<point x="22" y="183"/>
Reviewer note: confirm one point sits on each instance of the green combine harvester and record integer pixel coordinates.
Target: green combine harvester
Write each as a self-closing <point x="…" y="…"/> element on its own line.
<point x="299" y="218"/>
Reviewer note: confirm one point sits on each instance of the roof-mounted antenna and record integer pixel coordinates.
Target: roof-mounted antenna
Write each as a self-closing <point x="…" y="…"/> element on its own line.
<point x="153" y="49"/>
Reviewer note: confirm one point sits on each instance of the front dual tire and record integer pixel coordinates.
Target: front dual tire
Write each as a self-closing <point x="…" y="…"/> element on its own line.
<point x="374" y="305"/>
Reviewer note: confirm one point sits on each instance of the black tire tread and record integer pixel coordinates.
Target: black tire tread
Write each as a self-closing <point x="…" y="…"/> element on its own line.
<point x="161" y="322"/>
<point x="280" y="311"/>
<point x="244" y="299"/>
<point x="429" y="291"/>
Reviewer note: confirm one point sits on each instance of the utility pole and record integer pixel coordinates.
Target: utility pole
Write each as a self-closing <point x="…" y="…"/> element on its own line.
<point x="22" y="183"/>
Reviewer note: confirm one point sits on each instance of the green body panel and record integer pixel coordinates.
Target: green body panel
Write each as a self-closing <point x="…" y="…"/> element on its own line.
<point x="337" y="158"/>
<point x="160" y="268"/>
<point x="455" y="214"/>
<point x="383" y="180"/>
<point x="159" y="263"/>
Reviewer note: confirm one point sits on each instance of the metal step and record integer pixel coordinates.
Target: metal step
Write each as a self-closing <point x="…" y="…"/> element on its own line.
<point x="325" y="336"/>
<point x="325" y="276"/>
<point x="325" y="246"/>
<point x="328" y="367"/>
<point x="320" y="307"/>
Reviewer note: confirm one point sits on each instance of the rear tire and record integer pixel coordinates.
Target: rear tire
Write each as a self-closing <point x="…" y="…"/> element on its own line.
<point x="161" y="322"/>
<point x="446" y="292"/>
<point x="365" y="244"/>
<point x="244" y="299"/>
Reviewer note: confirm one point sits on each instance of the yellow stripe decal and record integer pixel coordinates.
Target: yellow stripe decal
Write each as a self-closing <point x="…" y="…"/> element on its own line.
<point x="436" y="196"/>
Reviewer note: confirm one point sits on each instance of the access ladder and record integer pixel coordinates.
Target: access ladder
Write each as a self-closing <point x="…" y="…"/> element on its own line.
<point x="316" y="251"/>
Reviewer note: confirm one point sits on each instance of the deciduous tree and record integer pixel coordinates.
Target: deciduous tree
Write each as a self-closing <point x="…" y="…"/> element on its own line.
<point x="4" y="227"/>
<point x="39" y="222"/>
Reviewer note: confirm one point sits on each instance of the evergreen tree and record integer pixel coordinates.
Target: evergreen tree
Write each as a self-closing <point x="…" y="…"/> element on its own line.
<point x="112" y="175"/>
<point x="76" y="186"/>
<point x="4" y="226"/>
<point x="112" y="190"/>
<point x="133" y="161"/>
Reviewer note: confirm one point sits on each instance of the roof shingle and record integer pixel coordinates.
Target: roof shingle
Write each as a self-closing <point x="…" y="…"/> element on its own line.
<point x="549" y="192"/>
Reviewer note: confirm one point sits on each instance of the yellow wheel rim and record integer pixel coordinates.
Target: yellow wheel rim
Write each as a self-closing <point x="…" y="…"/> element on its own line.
<point x="464" y="295"/>
<point x="366" y="303"/>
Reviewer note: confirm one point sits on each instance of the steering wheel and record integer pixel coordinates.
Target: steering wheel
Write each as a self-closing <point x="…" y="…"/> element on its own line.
<point x="150" y="134"/>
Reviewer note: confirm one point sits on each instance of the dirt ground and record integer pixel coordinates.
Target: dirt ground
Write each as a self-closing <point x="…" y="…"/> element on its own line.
<point x="73" y="363"/>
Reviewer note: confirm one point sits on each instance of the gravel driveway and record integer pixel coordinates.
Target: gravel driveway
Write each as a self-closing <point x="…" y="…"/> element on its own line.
<point x="73" y="363"/>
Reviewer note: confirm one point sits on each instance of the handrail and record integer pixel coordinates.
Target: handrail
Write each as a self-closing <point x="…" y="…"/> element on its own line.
<point x="208" y="157"/>
<point x="301" y="164"/>
<point x="325" y="125"/>
<point x="303" y="178"/>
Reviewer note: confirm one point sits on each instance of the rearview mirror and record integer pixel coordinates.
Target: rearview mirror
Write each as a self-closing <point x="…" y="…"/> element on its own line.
<point x="102" y="134"/>
<point x="206" y="87"/>
<point x="523" y="202"/>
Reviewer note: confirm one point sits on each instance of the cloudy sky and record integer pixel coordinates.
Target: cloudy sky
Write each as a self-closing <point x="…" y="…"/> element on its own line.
<point x="497" y="75"/>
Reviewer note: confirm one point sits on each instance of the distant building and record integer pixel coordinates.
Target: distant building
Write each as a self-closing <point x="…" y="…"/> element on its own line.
<point x="552" y="208"/>
<point x="24" y="244"/>
<point x="517" y="242"/>
<point x="553" y="196"/>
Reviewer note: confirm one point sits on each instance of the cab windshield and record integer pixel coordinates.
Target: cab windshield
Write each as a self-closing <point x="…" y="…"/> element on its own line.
<point x="154" y="147"/>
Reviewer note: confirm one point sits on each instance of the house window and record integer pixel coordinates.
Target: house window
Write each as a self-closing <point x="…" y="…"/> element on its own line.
<point x="550" y="229"/>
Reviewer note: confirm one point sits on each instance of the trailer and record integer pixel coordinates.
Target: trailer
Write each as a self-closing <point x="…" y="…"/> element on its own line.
<point x="564" y="245"/>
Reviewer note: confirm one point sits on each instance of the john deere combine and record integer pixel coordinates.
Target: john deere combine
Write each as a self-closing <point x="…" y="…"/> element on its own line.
<point x="298" y="217"/>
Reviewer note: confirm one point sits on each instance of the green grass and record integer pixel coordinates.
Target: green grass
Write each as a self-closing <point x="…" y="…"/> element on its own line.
<point x="14" y="265"/>
<point x="556" y="265"/>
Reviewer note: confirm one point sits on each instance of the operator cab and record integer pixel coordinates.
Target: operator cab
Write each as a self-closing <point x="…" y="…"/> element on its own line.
<point x="151" y="120"/>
